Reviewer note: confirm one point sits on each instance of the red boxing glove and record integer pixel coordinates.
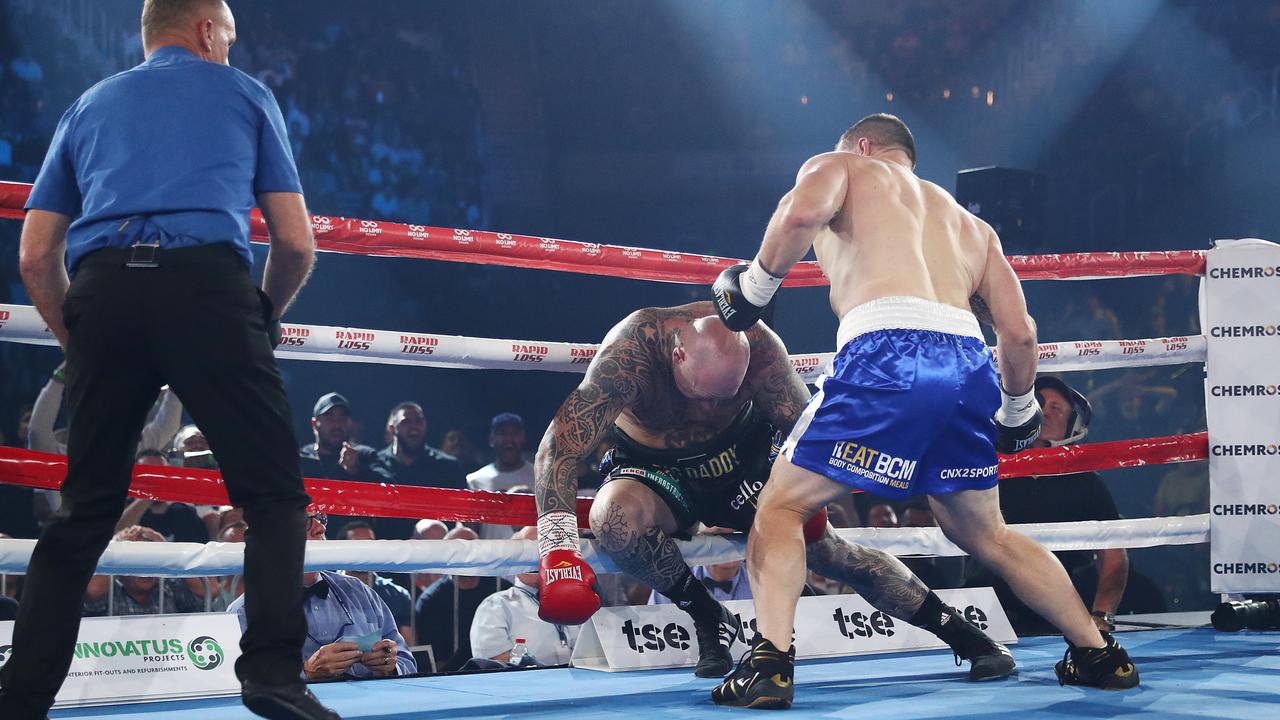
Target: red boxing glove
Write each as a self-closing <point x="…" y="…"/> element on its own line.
<point x="568" y="595"/>
<point x="815" y="527"/>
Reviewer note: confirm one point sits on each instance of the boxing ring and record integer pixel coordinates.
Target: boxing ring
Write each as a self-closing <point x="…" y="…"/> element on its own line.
<point x="1187" y="670"/>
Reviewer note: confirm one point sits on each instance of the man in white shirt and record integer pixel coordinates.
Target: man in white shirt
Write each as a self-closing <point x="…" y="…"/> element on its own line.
<point x="508" y="470"/>
<point x="513" y="613"/>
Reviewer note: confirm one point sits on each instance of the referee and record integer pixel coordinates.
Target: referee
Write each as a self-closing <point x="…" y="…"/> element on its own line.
<point x="145" y="195"/>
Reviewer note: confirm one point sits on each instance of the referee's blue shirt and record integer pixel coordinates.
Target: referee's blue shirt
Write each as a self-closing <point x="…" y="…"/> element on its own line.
<point x="180" y="145"/>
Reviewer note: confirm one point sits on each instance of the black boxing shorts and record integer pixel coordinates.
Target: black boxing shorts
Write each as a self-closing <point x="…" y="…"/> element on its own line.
<point x="715" y="483"/>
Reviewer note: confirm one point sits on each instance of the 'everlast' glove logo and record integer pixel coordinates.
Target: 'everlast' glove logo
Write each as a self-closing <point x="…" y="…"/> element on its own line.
<point x="564" y="571"/>
<point x="722" y="302"/>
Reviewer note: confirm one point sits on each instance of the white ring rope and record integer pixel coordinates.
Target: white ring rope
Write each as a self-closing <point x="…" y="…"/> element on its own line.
<point x="22" y="324"/>
<point x="507" y="557"/>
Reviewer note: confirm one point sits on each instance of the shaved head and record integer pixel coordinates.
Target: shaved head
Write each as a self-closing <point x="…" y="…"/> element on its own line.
<point x="462" y="532"/>
<point x="205" y="27"/>
<point x="709" y="360"/>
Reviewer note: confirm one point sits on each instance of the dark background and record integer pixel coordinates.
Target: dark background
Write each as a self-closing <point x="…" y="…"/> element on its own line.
<point x="671" y="124"/>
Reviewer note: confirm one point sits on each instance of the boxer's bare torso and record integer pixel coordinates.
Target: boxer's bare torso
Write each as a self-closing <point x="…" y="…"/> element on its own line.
<point x="899" y="235"/>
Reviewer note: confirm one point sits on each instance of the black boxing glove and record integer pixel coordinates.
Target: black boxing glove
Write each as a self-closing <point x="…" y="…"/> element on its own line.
<point x="1017" y="422"/>
<point x="742" y="292"/>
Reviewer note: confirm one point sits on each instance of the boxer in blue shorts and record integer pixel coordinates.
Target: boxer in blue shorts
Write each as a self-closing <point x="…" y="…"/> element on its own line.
<point x="911" y="404"/>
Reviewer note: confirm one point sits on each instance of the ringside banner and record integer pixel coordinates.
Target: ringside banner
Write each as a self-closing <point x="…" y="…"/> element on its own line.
<point x="643" y="637"/>
<point x="1240" y="316"/>
<point x="146" y="658"/>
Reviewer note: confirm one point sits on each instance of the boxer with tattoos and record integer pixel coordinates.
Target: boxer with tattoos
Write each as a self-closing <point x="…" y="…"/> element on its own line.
<point x="692" y="410"/>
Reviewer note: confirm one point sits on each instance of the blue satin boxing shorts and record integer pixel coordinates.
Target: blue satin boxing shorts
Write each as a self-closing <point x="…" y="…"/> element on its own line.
<point x="906" y="407"/>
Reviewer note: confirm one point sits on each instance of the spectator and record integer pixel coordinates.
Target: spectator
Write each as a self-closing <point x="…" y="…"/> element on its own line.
<point x="881" y="515"/>
<point x="166" y="415"/>
<point x="10" y="585"/>
<point x="513" y="613"/>
<point x="333" y="455"/>
<point x="224" y="590"/>
<point x="396" y="597"/>
<point x="509" y="468"/>
<point x="445" y="610"/>
<point x="131" y="595"/>
<point x="1062" y="498"/>
<point x="428" y="530"/>
<point x="726" y="581"/>
<point x="1183" y="490"/>
<point x="457" y="445"/>
<point x="408" y="460"/>
<point x="837" y="516"/>
<point x="339" y="611"/>
<point x="177" y="522"/>
<point x="191" y="449"/>
<point x="508" y="471"/>
<point x="41" y="435"/>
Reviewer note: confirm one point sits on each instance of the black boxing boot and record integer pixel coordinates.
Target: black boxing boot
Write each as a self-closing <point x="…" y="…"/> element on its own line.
<point x="1107" y="667"/>
<point x="712" y="624"/>
<point x="988" y="659"/>
<point x="763" y="680"/>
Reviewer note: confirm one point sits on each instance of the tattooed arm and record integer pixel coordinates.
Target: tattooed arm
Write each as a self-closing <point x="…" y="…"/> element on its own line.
<point x="778" y="390"/>
<point x="618" y="374"/>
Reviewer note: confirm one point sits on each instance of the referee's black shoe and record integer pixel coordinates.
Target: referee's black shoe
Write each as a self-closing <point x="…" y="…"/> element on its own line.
<point x="284" y="702"/>
<point x="763" y="680"/>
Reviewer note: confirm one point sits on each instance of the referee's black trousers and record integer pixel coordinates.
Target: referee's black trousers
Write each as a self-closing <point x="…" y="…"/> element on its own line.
<point x="199" y="324"/>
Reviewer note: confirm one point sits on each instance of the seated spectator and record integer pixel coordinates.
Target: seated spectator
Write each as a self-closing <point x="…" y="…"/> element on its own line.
<point x="340" y="609"/>
<point x="881" y="515"/>
<point x="396" y="597"/>
<point x="131" y="595"/>
<point x="1062" y="498"/>
<point x="224" y="590"/>
<point x="726" y="581"/>
<point x="427" y="530"/>
<point x="333" y="455"/>
<point x="191" y="449"/>
<point x="838" y="517"/>
<point x="10" y="586"/>
<point x="177" y="522"/>
<point x="513" y="613"/>
<point x="1184" y="490"/>
<point x="408" y="460"/>
<point x="229" y="515"/>
<point x="445" y="609"/>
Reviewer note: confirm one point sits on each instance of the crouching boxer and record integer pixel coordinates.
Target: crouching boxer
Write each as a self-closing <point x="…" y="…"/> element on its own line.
<point x="694" y="410"/>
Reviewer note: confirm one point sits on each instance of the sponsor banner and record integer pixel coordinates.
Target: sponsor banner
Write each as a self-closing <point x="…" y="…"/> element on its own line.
<point x="662" y="636"/>
<point x="148" y="657"/>
<point x="1240" y="312"/>
<point x="21" y="323"/>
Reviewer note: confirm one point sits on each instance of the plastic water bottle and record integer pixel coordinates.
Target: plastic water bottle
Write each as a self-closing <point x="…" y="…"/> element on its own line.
<point x="519" y="654"/>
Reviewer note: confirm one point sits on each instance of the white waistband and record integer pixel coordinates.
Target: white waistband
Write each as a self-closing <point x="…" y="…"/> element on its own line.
<point x="903" y="312"/>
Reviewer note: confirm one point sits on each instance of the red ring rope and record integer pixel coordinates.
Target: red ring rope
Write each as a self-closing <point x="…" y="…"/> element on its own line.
<point x="388" y="239"/>
<point x="204" y="487"/>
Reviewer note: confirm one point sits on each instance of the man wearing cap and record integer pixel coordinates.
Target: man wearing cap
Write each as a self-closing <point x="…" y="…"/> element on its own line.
<point x="508" y="470"/>
<point x="1063" y="498"/>
<point x="333" y="456"/>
